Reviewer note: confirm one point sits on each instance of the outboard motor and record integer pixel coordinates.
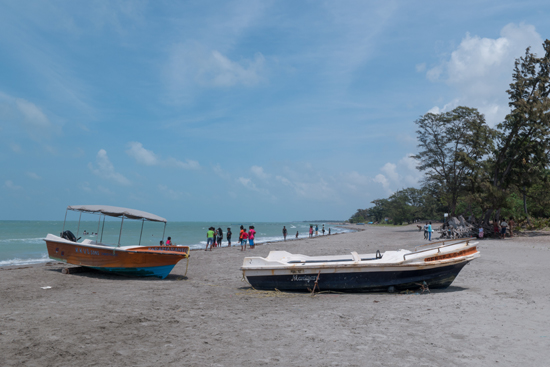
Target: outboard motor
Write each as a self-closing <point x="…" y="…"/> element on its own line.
<point x="68" y="235"/>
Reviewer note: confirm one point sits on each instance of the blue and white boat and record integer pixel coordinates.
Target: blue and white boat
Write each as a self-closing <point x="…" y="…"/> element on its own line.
<point x="435" y="267"/>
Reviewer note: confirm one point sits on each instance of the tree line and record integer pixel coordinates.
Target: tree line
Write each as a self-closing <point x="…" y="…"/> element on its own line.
<point x="480" y="172"/>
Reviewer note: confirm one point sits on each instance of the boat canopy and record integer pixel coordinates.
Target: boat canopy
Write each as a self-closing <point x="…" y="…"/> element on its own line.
<point x="114" y="211"/>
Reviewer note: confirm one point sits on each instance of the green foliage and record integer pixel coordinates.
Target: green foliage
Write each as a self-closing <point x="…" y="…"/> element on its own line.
<point x="473" y="170"/>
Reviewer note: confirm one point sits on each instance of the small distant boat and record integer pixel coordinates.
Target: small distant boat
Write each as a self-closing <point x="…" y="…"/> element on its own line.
<point x="434" y="267"/>
<point x="155" y="261"/>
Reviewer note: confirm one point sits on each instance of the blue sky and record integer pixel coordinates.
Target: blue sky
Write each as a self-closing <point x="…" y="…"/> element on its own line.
<point x="239" y="110"/>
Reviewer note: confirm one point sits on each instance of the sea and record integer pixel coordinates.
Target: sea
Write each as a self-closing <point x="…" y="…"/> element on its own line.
<point x="21" y="242"/>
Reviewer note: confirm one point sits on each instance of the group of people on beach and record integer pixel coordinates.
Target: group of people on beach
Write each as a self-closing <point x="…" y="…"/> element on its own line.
<point x="285" y="231"/>
<point x="214" y="238"/>
<point x="499" y="229"/>
<point x="317" y="230"/>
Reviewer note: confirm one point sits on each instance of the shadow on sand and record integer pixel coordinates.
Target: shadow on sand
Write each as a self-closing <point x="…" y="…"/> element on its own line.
<point x="97" y="274"/>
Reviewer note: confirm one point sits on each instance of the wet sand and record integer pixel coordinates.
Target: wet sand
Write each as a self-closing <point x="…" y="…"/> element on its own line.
<point x="497" y="312"/>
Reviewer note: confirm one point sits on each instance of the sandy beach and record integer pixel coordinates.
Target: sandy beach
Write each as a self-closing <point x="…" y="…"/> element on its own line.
<point x="495" y="313"/>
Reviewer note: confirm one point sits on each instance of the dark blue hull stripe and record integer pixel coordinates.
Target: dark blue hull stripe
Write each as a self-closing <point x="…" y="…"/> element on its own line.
<point x="151" y="271"/>
<point x="441" y="277"/>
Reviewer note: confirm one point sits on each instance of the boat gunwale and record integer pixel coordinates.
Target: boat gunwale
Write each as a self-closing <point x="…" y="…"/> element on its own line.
<point x="127" y="249"/>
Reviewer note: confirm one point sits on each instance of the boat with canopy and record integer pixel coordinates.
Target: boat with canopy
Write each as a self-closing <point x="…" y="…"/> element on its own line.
<point x="156" y="261"/>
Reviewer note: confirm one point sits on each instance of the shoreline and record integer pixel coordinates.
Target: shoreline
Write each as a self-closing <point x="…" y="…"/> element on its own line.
<point x="496" y="311"/>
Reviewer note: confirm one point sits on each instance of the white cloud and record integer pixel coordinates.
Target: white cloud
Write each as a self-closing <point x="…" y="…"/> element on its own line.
<point x="250" y="185"/>
<point x="10" y="185"/>
<point x="27" y="115"/>
<point x="246" y="182"/>
<point x="149" y="158"/>
<point x="259" y="172"/>
<point x="84" y="186"/>
<point x="171" y="194"/>
<point x="446" y="108"/>
<point x="420" y="67"/>
<point x="188" y="164"/>
<point x="33" y="116"/>
<point x="193" y="65"/>
<point x="390" y="172"/>
<point x="142" y="155"/>
<point x="319" y="189"/>
<point x="106" y="170"/>
<point x="33" y="175"/>
<point x="480" y="69"/>
<point x="221" y="172"/>
<point x="399" y="176"/>
<point x="380" y="178"/>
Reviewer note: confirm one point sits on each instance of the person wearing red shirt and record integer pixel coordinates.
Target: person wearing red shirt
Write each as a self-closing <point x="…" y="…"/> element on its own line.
<point x="251" y="234"/>
<point x="244" y="239"/>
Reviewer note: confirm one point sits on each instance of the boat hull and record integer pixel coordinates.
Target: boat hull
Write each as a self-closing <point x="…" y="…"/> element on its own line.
<point x="146" y="262"/>
<point x="371" y="280"/>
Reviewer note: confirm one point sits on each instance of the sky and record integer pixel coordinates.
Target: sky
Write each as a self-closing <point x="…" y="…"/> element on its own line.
<point x="239" y="110"/>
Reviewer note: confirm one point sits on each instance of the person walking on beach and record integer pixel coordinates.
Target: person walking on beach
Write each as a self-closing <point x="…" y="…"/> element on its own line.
<point x="316" y="230"/>
<point x="229" y="237"/>
<point x="284" y="232"/>
<point x="296" y="234"/>
<point x="329" y="231"/>
<point x="209" y="238"/>
<point x="244" y="239"/>
<point x="323" y="230"/>
<point x="310" y="231"/>
<point x="430" y="231"/>
<point x="503" y="228"/>
<point x="426" y="231"/>
<point x="220" y="236"/>
<point x="251" y="234"/>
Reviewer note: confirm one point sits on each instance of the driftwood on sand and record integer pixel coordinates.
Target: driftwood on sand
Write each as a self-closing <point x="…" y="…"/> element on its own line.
<point x="458" y="227"/>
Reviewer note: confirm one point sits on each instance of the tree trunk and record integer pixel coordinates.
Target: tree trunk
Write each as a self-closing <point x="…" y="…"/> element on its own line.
<point x="488" y="214"/>
<point x="525" y="205"/>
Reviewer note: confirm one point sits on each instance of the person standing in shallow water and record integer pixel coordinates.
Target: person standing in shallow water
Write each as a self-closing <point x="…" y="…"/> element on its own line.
<point x="310" y="231"/>
<point x="323" y="230"/>
<point x="220" y="236"/>
<point x="316" y="230"/>
<point x="284" y="232"/>
<point x="229" y="237"/>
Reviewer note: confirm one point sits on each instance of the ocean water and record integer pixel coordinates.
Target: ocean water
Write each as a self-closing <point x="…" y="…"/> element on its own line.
<point x="21" y="242"/>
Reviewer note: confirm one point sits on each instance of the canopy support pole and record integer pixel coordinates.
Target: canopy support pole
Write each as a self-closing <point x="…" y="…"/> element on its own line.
<point x="64" y="220"/>
<point x="120" y="234"/>
<point x="98" y="222"/>
<point x="78" y="228"/>
<point x="140" y="233"/>
<point x="102" y="228"/>
<point x="163" y="231"/>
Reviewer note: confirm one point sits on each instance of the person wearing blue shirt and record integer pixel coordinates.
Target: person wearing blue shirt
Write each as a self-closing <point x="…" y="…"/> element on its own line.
<point x="430" y="231"/>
